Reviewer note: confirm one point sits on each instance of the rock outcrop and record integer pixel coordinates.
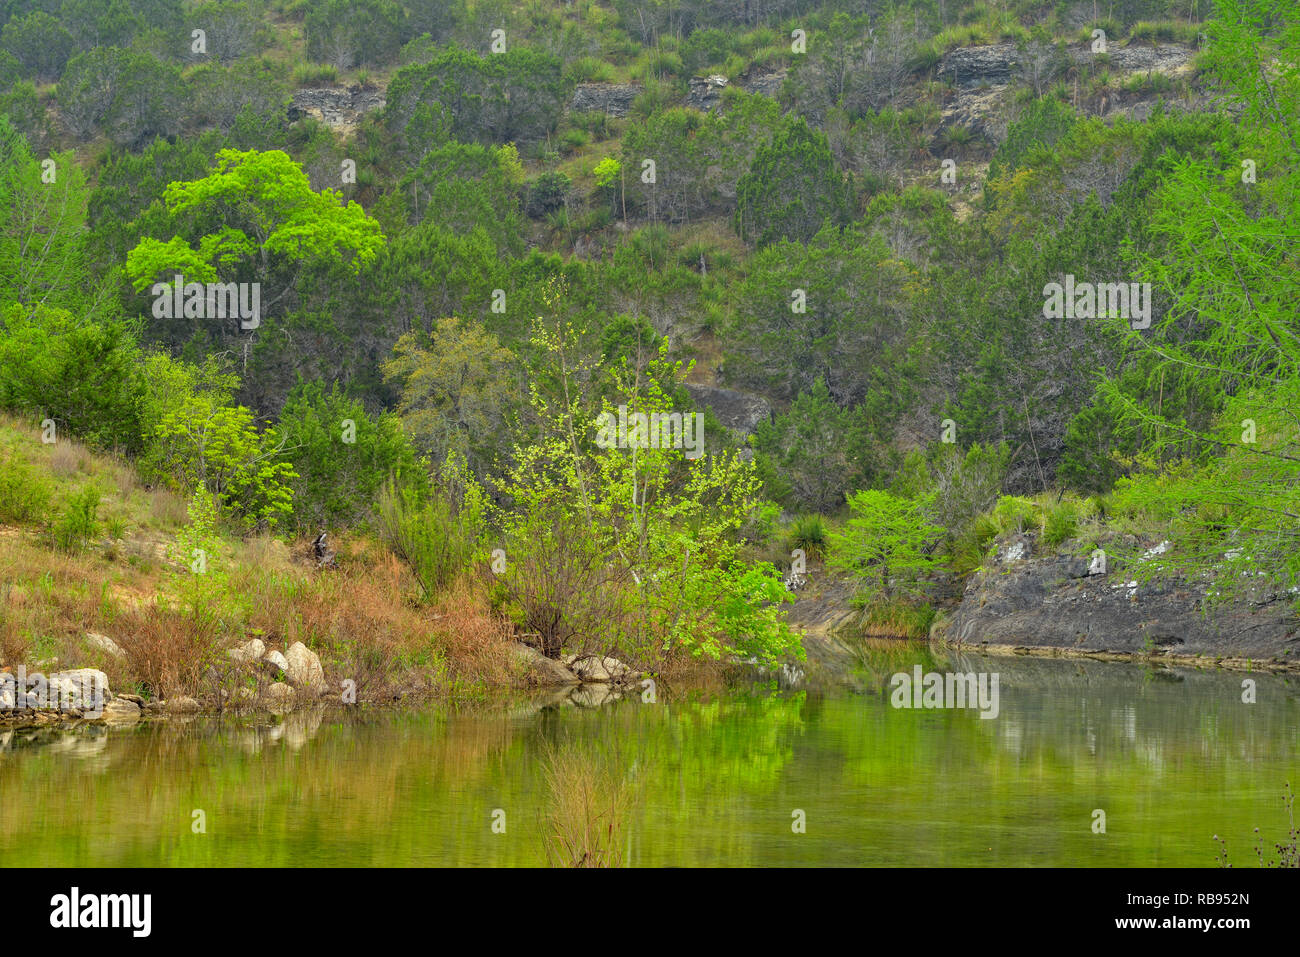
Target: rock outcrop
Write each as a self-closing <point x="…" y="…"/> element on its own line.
<point x="613" y="99"/>
<point x="1065" y="604"/>
<point x="338" y="107"/>
<point x="741" y="411"/>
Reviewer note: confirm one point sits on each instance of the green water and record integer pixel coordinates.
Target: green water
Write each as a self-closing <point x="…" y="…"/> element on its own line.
<point x="1171" y="757"/>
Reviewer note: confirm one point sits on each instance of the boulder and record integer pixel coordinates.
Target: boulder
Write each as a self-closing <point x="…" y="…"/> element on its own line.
<point x="8" y="691"/>
<point x="598" y="669"/>
<point x="304" y="669"/>
<point x="105" y="644"/>
<point x="183" y="704"/>
<point x="121" y="710"/>
<point x="275" y="663"/>
<point x="85" y="689"/>
<point x="251" y="650"/>
<point x="543" y="670"/>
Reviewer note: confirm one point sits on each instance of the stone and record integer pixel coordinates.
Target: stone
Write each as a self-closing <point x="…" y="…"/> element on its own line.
<point x="276" y="660"/>
<point x="105" y="644"/>
<point x="84" y="688"/>
<point x="706" y="92"/>
<point x="251" y="650"/>
<point x="543" y="671"/>
<point x="739" y="411"/>
<point x="341" y="108"/>
<point x="183" y="704"/>
<point x="614" y="99"/>
<point x="304" y="669"/>
<point x="280" y="695"/>
<point x="597" y="669"/>
<point x="121" y="710"/>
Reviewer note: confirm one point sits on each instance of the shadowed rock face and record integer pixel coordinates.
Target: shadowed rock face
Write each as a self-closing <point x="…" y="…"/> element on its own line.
<point x="740" y="411"/>
<point x="337" y="107"/>
<point x="1055" y="603"/>
<point x="613" y="99"/>
<point x="1000" y="63"/>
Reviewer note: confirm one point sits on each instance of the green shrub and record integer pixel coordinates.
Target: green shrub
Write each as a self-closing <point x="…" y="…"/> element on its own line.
<point x="1060" y="522"/>
<point x="1013" y="514"/>
<point x="432" y="537"/>
<point x="809" y="533"/>
<point x="24" y="494"/>
<point x="315" y="74"/>
<point x="78" y="524"/>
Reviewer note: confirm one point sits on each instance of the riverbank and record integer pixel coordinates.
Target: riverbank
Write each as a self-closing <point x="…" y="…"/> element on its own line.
<point x="1030" y="600"/>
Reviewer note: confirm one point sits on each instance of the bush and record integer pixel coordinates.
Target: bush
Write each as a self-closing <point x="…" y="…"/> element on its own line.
<point x="79" y="523"/>
<point x="1060" y="522"/>
<point x="24" y="494"/>
<point x="1013" y="514"/>
<point x="341" y="455"/>
<point x="429" y="534"/>
<point x="84" y="376"/>
<point x="315" y="74"/>
<point x="809" y="533"/>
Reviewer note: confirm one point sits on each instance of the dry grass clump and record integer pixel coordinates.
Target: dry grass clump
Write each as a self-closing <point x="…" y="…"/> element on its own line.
<point x="589" y="808"/>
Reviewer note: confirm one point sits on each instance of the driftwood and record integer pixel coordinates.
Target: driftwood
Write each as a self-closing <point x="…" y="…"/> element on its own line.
<point x="321" y="552"/>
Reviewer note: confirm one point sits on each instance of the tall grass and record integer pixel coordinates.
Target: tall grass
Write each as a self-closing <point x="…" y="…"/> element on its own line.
<point x="589" y="806"/>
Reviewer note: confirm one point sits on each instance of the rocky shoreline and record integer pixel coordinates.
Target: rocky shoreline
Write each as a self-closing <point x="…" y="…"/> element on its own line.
<point x="270" y="681"/>
<point x="1060" y="605"/>
<point x="1026" y="602"/>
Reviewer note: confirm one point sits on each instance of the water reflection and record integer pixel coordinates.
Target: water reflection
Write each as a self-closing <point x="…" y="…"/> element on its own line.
<point x="1172" y="758"/>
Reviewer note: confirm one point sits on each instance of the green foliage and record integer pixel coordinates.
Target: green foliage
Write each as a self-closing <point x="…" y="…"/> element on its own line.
<point x="515" y="96"/>
<point x="433" y="536"/>
<point x="341" y="455"/>
<point x="809" y="533"/>
<point x="79" y="522"/>
<point x="42" y="227"/>
<point x="1045" y="122"/>
<point x="456" y="386"/>
<point x="39" y="42"/>
<point x="84" y="376"/>
<point x="273" y="215"/>
<point x="792" y="189"/>
<point x="887" y="545"/>
<point x="1227" y="268"/>
<point x="812" y="454"/>
<point x="348" y="33"/>
<point x="1060" y="522"/>
<point x="24" y="493"/>
<point x="203" y="443"/>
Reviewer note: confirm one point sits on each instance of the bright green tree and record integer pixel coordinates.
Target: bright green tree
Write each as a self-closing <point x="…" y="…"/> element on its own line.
<point x="887" y="545"/>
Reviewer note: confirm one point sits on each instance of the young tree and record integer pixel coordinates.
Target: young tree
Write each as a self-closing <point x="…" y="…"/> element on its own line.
<point x="793" y="188"/>
<point x="887" y="544"/>
<point x="1228" y="262"/>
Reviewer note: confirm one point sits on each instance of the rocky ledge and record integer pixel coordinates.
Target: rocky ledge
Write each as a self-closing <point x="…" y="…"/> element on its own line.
<point x="1065" y="605"/>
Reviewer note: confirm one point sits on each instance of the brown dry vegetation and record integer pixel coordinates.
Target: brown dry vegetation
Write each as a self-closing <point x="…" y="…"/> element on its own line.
<point x="361" y="617"/>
